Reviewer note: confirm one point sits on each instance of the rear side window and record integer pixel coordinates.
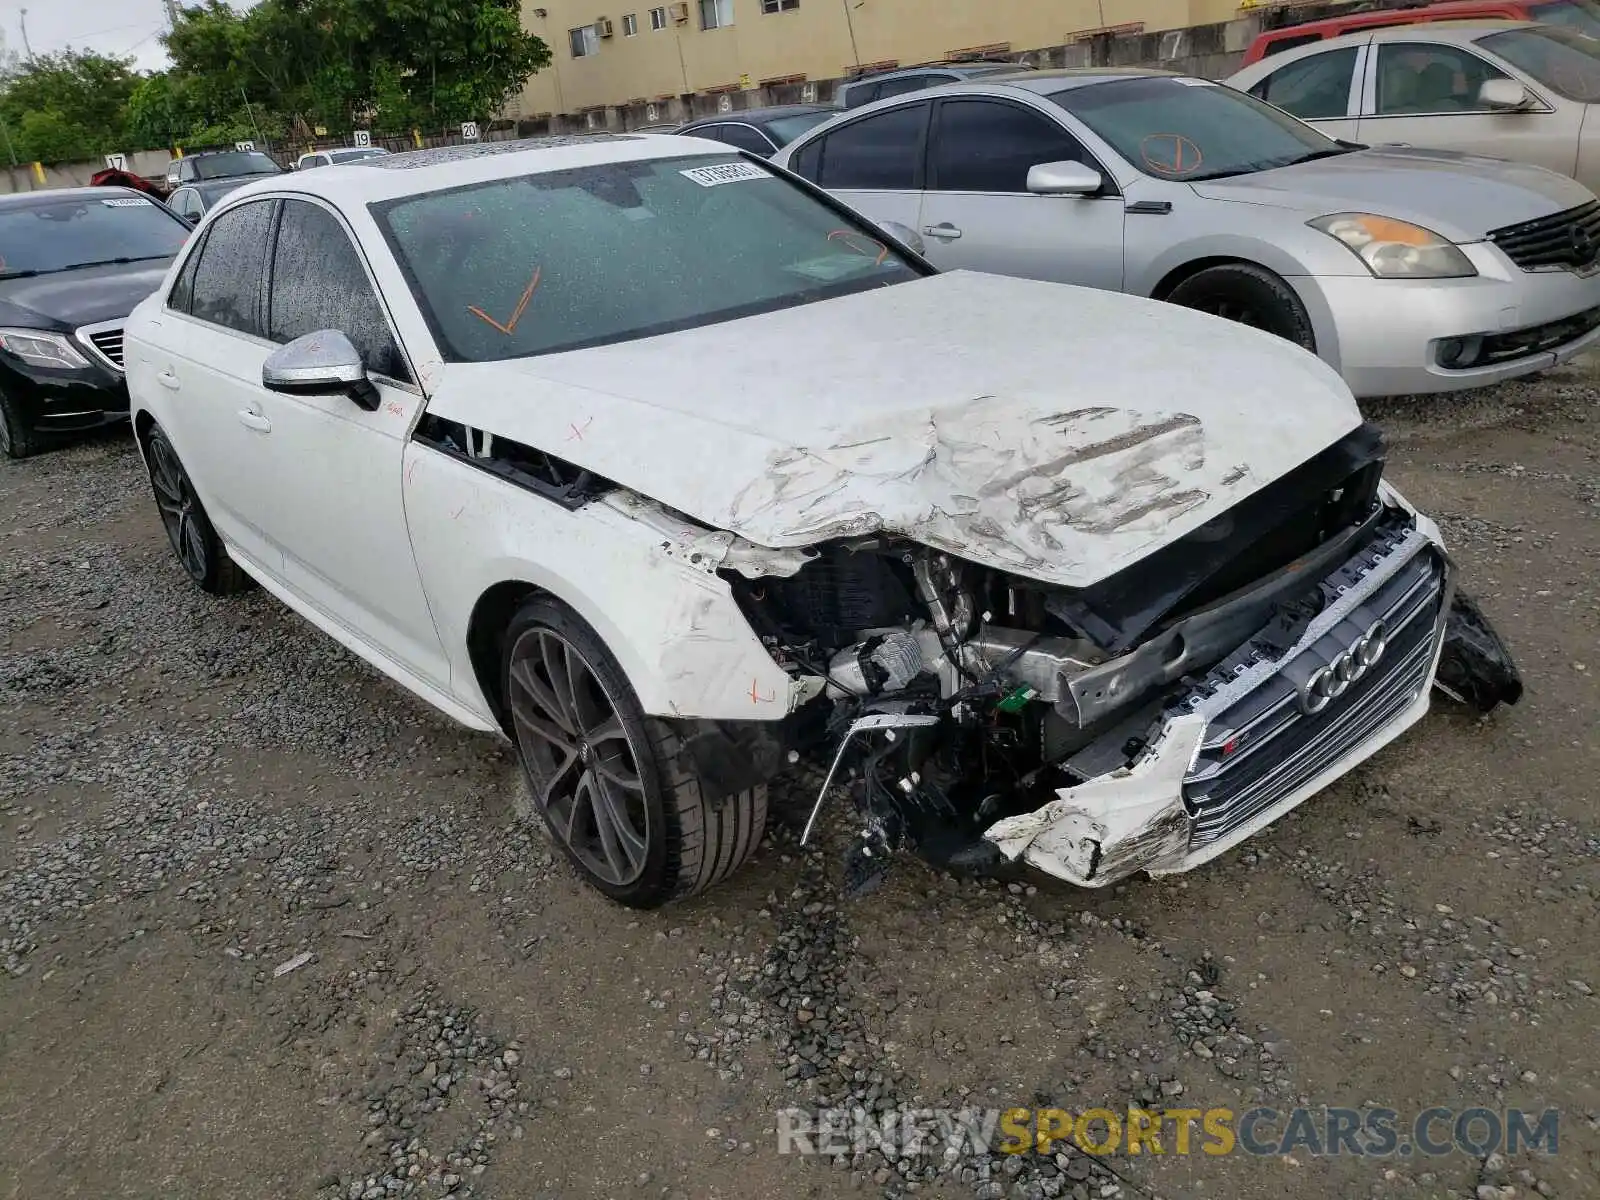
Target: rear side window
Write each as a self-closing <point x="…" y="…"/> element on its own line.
<point x="318" y="282"/>
<point x="1313" y="89"/>
<point x="1279" y="45"/>
<point x="883" y="151"/>
<point x="746" y="138"/>
<point x="861" y="93"/>
<point x="227" y="281"/>
<point x="910" y="83"/>
<point x="988" y="146"/>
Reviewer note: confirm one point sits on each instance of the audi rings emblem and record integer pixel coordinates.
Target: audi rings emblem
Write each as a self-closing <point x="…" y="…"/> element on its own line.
<point x="1328" y="683"/>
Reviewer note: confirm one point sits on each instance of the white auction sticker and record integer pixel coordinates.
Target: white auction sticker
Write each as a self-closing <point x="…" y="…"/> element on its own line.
<point x="737" y="172"/>
<point x="126" y="202"/>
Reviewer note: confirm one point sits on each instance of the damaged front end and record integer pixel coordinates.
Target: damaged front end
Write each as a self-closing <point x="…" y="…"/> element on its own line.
<point x="1145" y="723"/>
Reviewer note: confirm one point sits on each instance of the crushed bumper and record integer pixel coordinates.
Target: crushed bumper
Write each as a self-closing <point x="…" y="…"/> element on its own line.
<point x="1176" y="806"/>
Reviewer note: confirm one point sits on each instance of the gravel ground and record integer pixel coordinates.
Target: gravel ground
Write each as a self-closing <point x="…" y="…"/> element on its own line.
<point x="270" y="928"/>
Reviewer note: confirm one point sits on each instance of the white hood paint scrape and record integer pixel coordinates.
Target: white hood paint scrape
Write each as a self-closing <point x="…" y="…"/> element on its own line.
<point x="1058" y="432"/>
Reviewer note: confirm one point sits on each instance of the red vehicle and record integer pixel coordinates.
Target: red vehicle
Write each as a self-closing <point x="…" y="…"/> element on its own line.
<point x="1581" y="15"/>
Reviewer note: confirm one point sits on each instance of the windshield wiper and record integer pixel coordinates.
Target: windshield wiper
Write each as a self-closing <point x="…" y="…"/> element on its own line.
<point x="105" y="262"/>
<point x="29" y="274"/>
<point x="1312" y="156"/>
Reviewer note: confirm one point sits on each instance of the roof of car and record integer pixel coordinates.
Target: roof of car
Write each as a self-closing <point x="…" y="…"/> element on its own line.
<point x="968" y="68"/>
<point x="1435" y="31"/>
<point x="1062" y="78"/>
<point x="390" y="176"/>
<point x="748" y="115"/>
<point x="39" y="199"/>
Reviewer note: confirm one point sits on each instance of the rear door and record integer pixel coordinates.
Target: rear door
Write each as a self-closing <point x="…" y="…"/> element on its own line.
<point x="211" y="366"/>
<point x="977" y="212"/>
<point x="1421" y="93"/>
<point x="874" y="163"/>
<point x="1323" y="89"/>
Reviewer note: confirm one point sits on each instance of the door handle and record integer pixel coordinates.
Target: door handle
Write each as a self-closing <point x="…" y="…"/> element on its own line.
<point x="254" y="420"/>
<point x="169" y="381"/>
<point x="944" y="230"/>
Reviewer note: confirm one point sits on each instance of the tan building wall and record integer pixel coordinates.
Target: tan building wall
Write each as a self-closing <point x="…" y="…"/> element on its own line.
<point x="818" y="39"/>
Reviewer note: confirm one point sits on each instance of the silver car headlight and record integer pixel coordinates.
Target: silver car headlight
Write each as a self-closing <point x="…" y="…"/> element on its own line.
<point x="41" y="349"/>
<point x="1395" y="249"/>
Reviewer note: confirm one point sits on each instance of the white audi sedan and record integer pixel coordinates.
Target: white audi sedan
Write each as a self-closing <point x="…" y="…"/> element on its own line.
<point x="675" y="471"/>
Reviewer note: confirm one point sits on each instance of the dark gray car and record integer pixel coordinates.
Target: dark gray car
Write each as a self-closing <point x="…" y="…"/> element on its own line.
<point x="883" y="84"/>
<point x="762" y="131"/>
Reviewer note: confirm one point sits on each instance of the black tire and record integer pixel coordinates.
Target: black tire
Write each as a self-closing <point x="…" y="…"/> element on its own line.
<point x="18" y="439"/>
<point x="200" y="551"/>
<point x="673" y="842"/>
<point x="1250" y="295"/>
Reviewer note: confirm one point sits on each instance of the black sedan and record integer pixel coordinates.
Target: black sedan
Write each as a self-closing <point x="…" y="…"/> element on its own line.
<point x="73" y="264"/>
<point x="762" y="131"/>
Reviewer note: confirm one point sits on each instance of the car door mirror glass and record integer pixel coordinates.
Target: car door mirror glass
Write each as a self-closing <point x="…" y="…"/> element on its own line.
<point x="322" y="363"/>
<point x="1064" y="179"/>
<point x="905" y="235"/>
<point x="1504" y="95"/>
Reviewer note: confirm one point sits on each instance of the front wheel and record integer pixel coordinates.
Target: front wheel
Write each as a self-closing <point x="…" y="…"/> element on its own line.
<point x="1250" y="295"/>
<point x="608" y="780"/>
<point x="193" y="539"/>
<point x="17" y="437"/>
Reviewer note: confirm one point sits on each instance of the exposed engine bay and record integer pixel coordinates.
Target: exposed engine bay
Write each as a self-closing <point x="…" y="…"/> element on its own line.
<point x="978" y="716"/>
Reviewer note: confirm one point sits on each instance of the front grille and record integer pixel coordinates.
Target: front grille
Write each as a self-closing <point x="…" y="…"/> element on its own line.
<point x="108" y="342"/>
<point x="1264" y="746"/>
<point x="1565" y="239"/>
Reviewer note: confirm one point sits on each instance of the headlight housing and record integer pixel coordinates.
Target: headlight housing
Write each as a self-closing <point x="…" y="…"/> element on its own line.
<point x="1395" y="249"/>
<point x="40" y="349"/>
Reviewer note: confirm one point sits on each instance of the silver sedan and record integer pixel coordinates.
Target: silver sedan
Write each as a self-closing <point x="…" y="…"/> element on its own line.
<point x="1407" y="270"/>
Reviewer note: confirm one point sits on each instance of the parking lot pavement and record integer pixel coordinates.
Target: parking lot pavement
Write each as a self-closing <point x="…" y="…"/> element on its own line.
<point x="195" y="794"/>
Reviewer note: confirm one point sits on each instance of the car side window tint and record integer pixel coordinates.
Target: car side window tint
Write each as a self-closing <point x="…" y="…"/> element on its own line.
<point x="318" y="282"/>
<point x="181" y="297"/>
<point x="714" y="132"/>
<point x="988" y="146"/>
<point x="747" y="138"/>
<point x="881" y="151"/>
<point x="861" y="93"/>
<point x="227" y="283"/>
<point x="1414" y="77"/>
<point x="910" y="83"/>
<point x="1279" y="45"/>
<point x="1315" y="88"/>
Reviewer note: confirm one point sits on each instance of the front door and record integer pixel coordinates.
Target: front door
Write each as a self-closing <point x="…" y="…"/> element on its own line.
<point x="340" y="516"/>
<point x="1426" y="94"/>
<point x="978" y="214"/>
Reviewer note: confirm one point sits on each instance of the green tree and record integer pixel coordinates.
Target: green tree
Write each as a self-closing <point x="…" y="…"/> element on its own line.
<point x="70" y="105"/>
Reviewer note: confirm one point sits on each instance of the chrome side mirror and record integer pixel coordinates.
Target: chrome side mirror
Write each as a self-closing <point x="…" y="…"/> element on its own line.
<point x="320" y="364"/>
<point x="905" y="235"/>
<point x="1064" y="179"/>
<point x="1504" y="95"/>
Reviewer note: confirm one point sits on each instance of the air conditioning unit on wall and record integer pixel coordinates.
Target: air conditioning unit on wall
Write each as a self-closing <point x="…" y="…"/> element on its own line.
<point x="602" y="27"/>
<point x="678" y="12"/>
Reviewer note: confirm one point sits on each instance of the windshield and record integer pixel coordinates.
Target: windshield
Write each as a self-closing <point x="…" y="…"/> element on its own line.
<point x="234" y="162"/>
<point x="566" y="259"/>
<point x="58" y="235"/>
<point x="1561" y="59"/>
<point x="1173" y="127"/>
<point x="785" y="129"/>
<point x="1573" y="14"/>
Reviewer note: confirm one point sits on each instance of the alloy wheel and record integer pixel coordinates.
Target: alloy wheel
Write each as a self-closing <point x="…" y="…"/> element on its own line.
<point x="176" y="499"/>
<point x="580" y="756"/>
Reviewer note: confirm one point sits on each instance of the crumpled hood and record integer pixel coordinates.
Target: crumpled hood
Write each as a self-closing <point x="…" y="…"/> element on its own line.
<point x="1458" y="196"/>
<point x="1058" y="432"/>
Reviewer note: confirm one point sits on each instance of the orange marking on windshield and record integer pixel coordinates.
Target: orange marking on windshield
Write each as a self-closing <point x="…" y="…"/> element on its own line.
<point x="522" y="306"/>
<point x="1170" y="153"/>
<point x="854" y="240"/>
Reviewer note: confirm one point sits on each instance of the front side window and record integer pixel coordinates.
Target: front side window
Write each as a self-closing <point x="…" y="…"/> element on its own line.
<point x="227" y="281"/>
<point x="583" y="41"/>
<point x="1562" y="60"/>
<point x="988" y="146"/>
<point x="232" y="162"/>
<point x="318" y="282"/>
<point x="49" y="236"/>
<point x="881" y="152"/>
<point x="1315" y="88"/>
<point x="185" y="203"/>
<point x="1414" y="77"/>
<point x="1174" y="127"/>
<point x="567" y="259"/>
<point x="716" y="14"/>
<point x="181" y="297"/>
<point x="746" y="138"/>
